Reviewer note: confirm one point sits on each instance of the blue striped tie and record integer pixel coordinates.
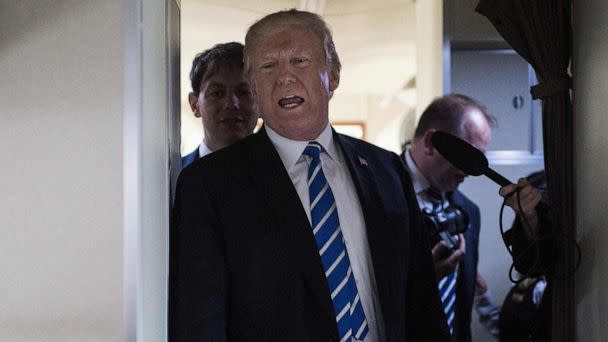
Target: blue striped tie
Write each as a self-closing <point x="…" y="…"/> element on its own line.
<point x="447" y="291"/>
<point x="350" y="317"/>
<point x="447" y="285"/>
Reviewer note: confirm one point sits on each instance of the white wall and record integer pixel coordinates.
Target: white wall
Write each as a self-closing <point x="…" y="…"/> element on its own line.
<point x="590" y="71"/>
<point x="61" y="105"/>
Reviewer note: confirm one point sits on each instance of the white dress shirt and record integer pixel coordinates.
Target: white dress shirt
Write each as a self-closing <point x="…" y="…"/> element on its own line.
<point x="350" y="214"/>
<point x="203" y="150"/>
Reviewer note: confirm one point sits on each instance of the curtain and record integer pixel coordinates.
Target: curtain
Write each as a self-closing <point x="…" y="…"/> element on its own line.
<point x="540" y="31"/>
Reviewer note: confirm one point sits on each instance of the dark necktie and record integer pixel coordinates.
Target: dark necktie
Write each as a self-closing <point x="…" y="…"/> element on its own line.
<point x="447" y="285"/>
<point x="435" y="198"/>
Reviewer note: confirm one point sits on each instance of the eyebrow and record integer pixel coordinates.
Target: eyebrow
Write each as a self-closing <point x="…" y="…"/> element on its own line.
<point x="266" y="59"/>
<point x="296" y="50"/>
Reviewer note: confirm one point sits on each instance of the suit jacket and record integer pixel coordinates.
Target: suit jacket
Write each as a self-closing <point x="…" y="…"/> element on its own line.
<point x="189" y="158"/>
<point x="245" y="265"/>
<point x="467" y="269"/>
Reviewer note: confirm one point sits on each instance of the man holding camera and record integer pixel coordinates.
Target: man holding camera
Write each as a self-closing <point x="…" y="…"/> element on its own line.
<point x="452" y="219"/>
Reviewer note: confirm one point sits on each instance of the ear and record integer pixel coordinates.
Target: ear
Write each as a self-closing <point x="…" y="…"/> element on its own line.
<point x="334" y="79"/>
<point x="193" y="100"/>
<point x="429" y="149"/>
<point x="254" y="96"/>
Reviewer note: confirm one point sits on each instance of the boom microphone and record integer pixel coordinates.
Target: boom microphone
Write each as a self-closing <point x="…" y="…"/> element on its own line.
<point x="465" y="157"/>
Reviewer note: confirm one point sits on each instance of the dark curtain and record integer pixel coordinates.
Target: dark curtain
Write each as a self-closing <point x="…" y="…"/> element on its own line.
<point x="540" y="31"/>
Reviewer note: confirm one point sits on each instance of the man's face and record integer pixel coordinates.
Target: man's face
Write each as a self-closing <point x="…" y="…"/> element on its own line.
<point x="292" y="81"/>
<point x="225" y="105"/>
<point x="477" y="132"/>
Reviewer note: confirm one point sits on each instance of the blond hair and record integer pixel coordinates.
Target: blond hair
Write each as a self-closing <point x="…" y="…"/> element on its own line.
<point x="293" y="17"/>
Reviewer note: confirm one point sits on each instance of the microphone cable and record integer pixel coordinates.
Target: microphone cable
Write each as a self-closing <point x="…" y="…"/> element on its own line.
<point x="536" y="239"/>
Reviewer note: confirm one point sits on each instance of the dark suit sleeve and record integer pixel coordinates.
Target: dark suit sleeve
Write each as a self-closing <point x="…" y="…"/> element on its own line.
<point x="468" y="271"/>
<point x="425" y="318"/>
<point x="534" y="257"/>
<point x="197" y="272"/>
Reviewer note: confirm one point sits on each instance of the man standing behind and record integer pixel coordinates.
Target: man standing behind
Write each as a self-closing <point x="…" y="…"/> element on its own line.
<point x="221" y="97"/>
<point x="435" y="183"/>
<point x="297" y="233"/>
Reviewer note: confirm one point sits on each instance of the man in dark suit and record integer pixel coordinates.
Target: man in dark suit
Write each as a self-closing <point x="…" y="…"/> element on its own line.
<point x="221" y="98"/>
<point x="435" y="183"/>
<point x="297" y="233"/>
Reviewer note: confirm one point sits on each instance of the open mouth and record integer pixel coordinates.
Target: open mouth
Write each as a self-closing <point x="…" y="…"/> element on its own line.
<point x="290" y="102"/>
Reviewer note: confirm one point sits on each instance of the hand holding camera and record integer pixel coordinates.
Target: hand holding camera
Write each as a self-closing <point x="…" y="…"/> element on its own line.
<point x="447" y="226"/>
<point x="446" y="260"/>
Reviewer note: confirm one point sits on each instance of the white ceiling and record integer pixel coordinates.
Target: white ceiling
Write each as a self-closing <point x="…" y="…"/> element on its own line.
<point x="375" y="39"/>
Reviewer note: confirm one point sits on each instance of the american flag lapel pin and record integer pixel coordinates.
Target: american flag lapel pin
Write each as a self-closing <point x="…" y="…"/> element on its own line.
<point x="362" y="161"/>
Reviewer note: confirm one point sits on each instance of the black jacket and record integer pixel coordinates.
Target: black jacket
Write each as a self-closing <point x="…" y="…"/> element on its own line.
<point x="245" y="266"/>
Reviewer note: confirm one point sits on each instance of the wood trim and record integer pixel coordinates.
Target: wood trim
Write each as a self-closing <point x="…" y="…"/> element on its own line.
<point x="336" y="124"/>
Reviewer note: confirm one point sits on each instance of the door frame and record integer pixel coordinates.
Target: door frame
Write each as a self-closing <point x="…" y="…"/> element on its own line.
<point x="149" y="108"/>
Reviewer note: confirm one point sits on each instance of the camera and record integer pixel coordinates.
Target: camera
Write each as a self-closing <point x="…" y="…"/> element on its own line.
<point x="446" y="224"/>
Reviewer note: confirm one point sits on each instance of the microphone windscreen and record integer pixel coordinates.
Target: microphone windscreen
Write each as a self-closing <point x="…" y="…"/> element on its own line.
<point x="460" y="153"/>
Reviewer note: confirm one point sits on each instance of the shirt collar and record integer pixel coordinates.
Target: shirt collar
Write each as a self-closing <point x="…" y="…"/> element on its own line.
<point x="203" y="150"/>
<point x="290" y="151"/>
<point x="420" y="183"/>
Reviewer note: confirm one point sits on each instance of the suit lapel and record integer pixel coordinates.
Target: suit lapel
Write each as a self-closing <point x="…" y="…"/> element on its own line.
<point x="381" y="239"/>
<point x="364" y="183"/>
<point x="283" y="204"/>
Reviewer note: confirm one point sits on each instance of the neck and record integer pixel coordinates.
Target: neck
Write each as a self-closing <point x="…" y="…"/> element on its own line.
<point x="417" y="156"/>
<point x="212" y="145"/>
<point x="300" y="134"/>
